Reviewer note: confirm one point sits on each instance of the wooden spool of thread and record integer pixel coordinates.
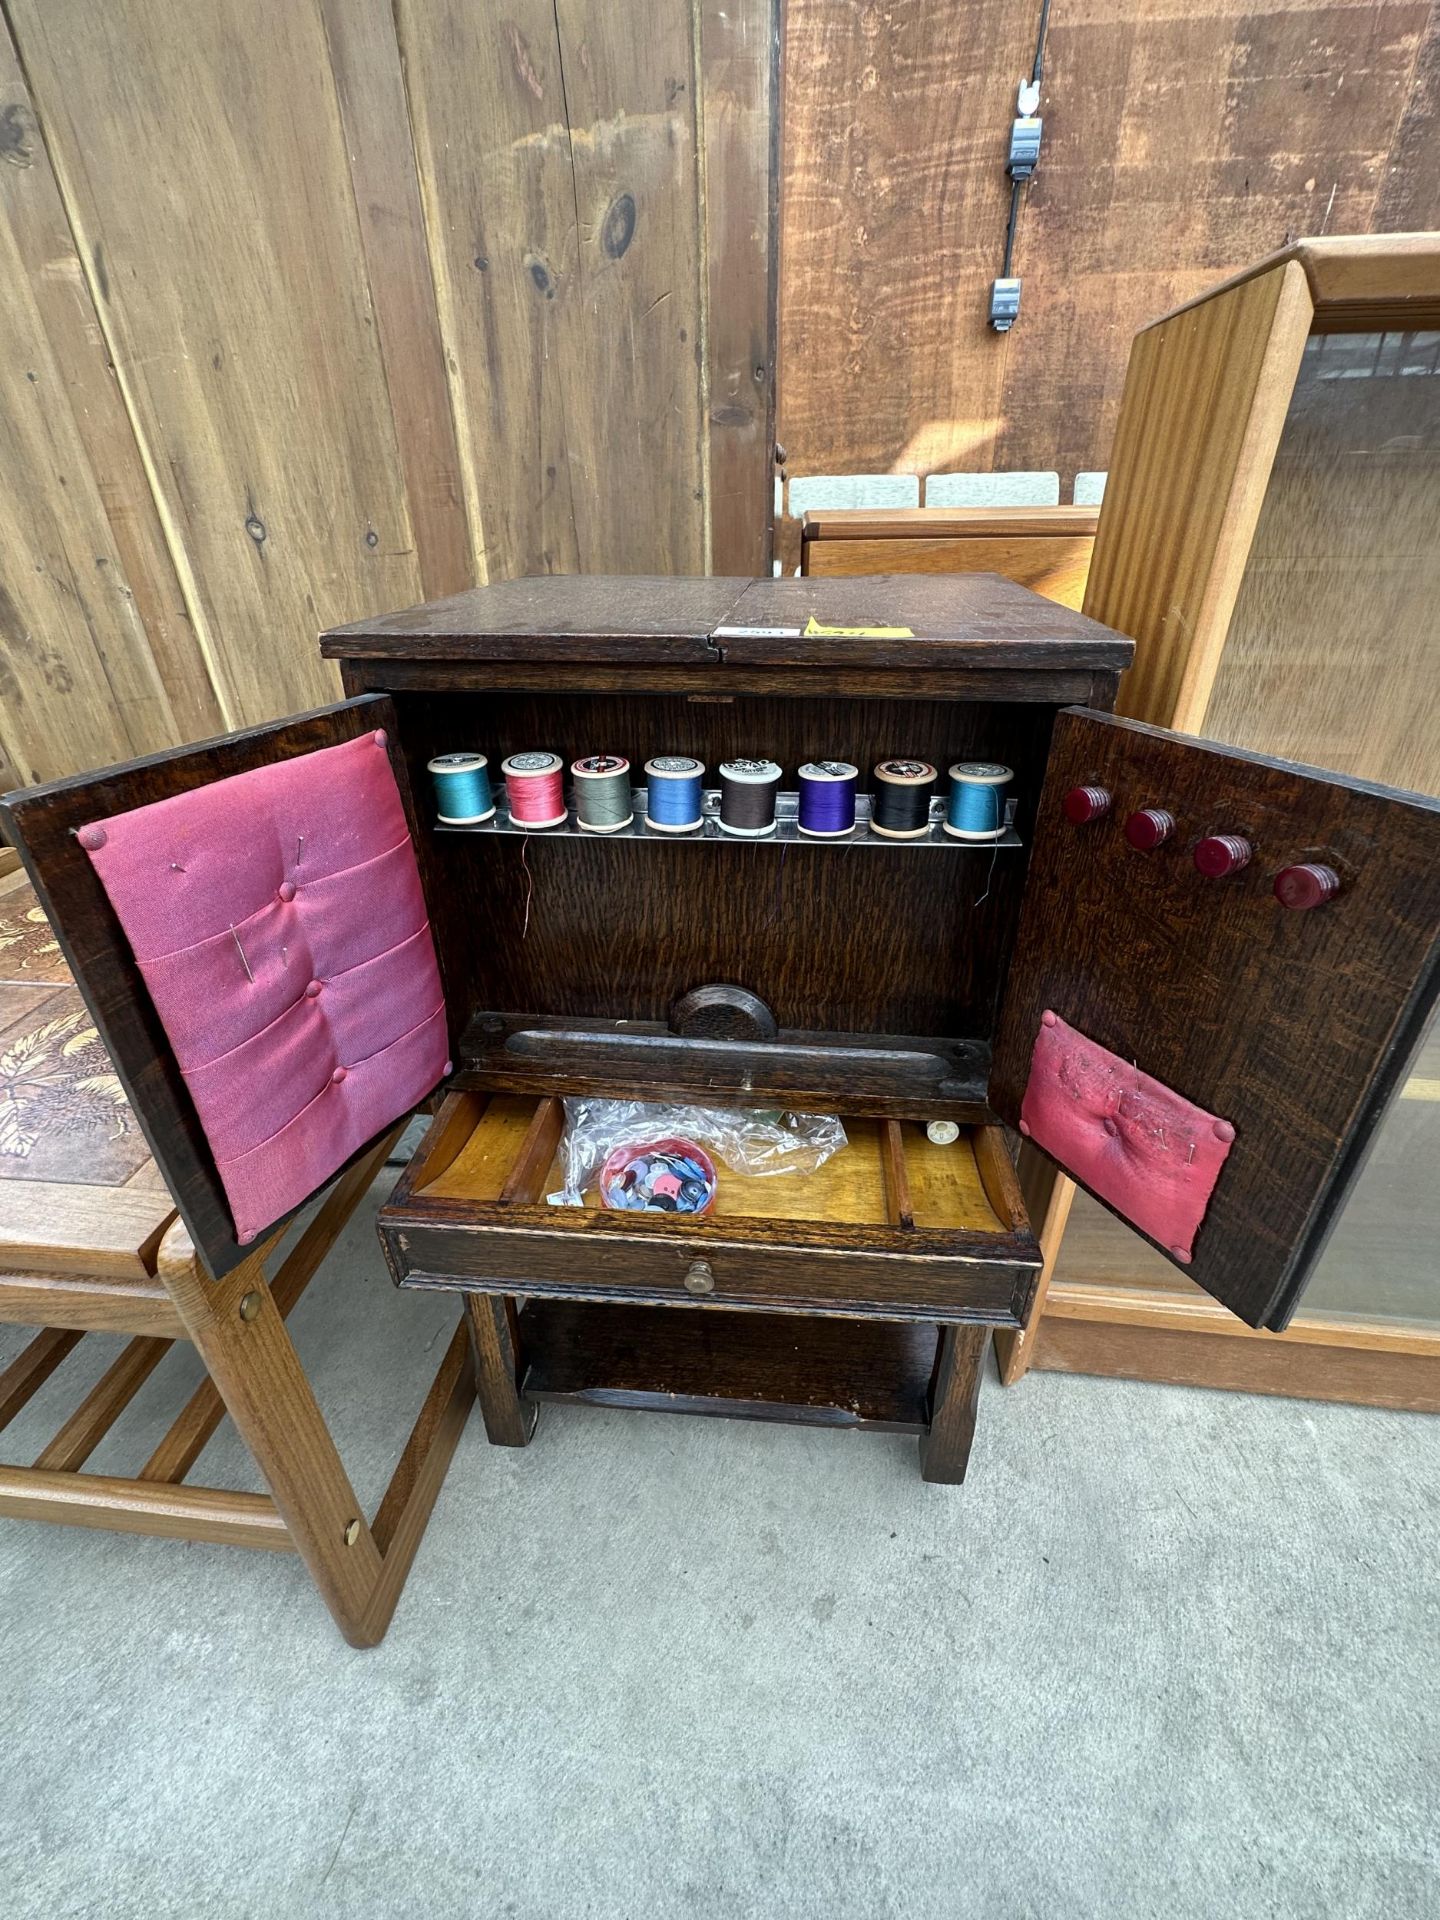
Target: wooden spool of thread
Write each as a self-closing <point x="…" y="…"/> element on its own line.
<point x="901" y="807"/>
<point x="672" y="793"/>
<point x="747" y="797"/>
<point x="462" y="789"/>
<point x="976" y="806"/>
<point x="827" y="799"/>
<point x="534" y="790"/>
<point x="602" y="792"/>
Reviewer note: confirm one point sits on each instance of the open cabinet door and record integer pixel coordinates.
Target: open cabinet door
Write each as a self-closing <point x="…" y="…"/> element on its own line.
<point x="46" y="824"/>
<point x="1208" y="1061"/>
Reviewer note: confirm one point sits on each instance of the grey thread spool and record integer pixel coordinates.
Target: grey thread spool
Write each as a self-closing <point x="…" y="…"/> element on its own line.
<point x="747" y="797"/>
<point x="602" y="792"/>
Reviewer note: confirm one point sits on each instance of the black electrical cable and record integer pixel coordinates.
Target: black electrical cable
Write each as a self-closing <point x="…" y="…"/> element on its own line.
<point x="1039" y="66"/>
<point x="1015" y="190"/>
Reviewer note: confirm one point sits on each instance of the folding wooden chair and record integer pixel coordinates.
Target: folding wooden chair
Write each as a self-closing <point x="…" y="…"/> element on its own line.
<point x="90" y="1242"/>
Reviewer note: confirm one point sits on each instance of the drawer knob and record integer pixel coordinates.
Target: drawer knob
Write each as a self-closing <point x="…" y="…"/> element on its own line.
<point x="1084" y="804"/>
<point x="1222" y="854"/>
<point x="1151" y="827"/>
<point x="1307" y="886"/>
<point x="699" y="1278"/>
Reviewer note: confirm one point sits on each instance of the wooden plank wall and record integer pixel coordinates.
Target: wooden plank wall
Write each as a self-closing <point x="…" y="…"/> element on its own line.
<point x="1183" y="141"/>
<point x="313" y="308"/>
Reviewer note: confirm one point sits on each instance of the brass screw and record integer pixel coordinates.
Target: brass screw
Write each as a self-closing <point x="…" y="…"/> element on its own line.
<point x="352" y="1532"/>
<point x="249" y="1306"/>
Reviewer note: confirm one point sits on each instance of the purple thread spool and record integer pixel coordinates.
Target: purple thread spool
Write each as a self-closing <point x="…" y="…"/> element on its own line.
<point x="827" y="798"/>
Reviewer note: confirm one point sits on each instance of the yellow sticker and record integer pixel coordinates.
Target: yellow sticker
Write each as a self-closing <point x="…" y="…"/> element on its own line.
<point x="816" y="631"/>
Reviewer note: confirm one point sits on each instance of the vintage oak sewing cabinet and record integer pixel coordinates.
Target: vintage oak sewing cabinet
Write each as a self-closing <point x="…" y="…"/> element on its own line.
<point x="1192" y="975"/>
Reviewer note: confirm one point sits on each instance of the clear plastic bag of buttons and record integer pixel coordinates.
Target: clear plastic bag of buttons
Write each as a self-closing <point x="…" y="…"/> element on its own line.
<point x="747" y="1140"/>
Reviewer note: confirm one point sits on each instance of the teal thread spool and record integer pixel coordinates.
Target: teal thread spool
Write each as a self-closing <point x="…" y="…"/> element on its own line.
<point x="462" y="789"/>
<point x="975" y="809"/>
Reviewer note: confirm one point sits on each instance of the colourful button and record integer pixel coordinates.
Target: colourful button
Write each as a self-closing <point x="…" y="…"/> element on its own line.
<point x="287" y="889"/>
<point x="1083" y="804"/>
<point x="1149" y="828"/>
<point x="1222" y="854"/>
<point x="1307" y="886"/>
<point x="91" y="838"/>
<point x="312" y="992"/>
<point x="337" y="1076"/>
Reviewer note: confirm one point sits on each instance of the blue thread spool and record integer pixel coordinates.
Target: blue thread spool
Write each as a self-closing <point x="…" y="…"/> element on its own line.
<point x="672" y="793"/>
<point x="462" y="789"/>
<point x="827" y="798"/>
<point x="975" y="809"/>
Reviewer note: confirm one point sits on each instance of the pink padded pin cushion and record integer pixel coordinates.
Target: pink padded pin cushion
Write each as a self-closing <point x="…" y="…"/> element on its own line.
<point x="1145" y="1150"/>
<point x="279" y="924"/>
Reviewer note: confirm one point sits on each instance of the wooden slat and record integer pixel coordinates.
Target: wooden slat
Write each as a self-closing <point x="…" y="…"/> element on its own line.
<point x="29" y="1371"/>
<point x="51" y="1226"/>
<point x="102" y="1406"/>
<point x="738" y="73"/>
<point x="1055" y="568"/>
<point x="1182" y="1312"/>
<point x="89" y="1306"/>
<point x="558" y="146"/>
<point x="124" y="1506"/>
<point x="997" y="1176"/>
<point x="237" y="316"/>
<point x="950" y="523"/>
<point x="1187" y="480"/>
<point x="421" y="1465"/>
<point x="101" y="661"/>
<point x="187" y="1436"/>
<point x="537" y="1150"/>
<point x="370" y="87"/>
<point x="1195" y="1357"/>
<point x="897" y="1184"/>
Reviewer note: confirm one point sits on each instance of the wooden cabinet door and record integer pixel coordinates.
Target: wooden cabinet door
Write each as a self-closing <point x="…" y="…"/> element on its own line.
<point x="43" y="822"/>
<point x="1280" y="1033"/>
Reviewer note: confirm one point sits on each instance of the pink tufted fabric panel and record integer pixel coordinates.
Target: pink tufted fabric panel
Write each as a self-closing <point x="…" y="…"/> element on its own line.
<point x="278" y="920"/>
<point x="1148" y="1152"/>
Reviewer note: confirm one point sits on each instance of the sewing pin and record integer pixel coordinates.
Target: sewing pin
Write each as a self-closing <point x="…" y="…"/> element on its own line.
<point x="241" y="951"/>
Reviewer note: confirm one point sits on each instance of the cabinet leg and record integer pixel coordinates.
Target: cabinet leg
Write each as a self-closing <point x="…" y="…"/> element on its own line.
<point x="954" y="1390"/>
<point x="495" y="1336"/>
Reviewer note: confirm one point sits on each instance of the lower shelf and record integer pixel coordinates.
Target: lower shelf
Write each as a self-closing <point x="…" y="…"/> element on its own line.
<point x="749" y="1366"/>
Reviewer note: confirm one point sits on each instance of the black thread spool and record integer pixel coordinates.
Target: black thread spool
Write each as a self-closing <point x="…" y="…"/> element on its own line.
<point x="747" y="797"/>
<point x="900" y="809"/>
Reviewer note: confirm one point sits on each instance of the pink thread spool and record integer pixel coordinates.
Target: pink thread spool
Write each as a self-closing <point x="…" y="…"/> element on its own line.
<point x="534" y="789"/>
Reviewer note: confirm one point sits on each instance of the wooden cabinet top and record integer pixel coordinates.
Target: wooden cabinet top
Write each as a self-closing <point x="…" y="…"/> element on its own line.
<point x="880" y="620"/>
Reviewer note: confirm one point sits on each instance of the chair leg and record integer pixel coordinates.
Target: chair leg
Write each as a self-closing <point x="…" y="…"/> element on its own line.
<point x="945" y="1446"/>
<point x="242" y="1339"/>
<point x="494" y="1331"/>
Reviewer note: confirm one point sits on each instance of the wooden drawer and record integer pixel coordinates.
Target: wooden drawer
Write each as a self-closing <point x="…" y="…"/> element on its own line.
<point x="893" y="1226"/>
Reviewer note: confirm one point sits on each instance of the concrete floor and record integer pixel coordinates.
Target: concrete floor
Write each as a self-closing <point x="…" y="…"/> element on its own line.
<point x="1166" y="1653"/>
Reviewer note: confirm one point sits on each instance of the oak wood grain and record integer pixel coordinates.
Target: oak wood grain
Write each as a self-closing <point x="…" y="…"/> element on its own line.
<point x="128" y="1506"/>
<point x="1181" y="974"/>
<point x="831" y="1373"/>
